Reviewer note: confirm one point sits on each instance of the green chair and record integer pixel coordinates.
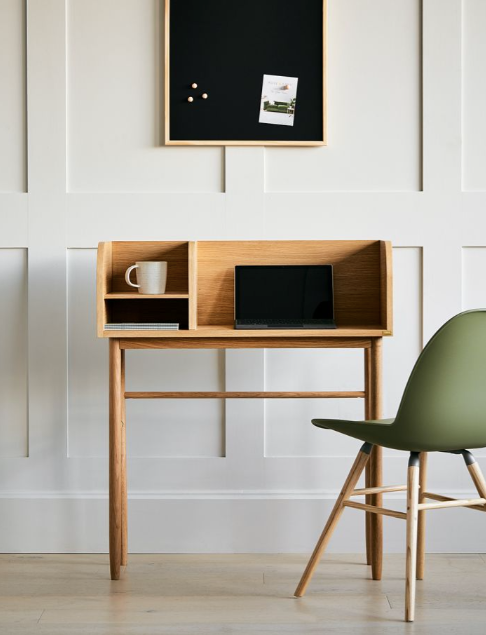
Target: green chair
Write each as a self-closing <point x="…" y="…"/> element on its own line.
<point x="443" y="409"/>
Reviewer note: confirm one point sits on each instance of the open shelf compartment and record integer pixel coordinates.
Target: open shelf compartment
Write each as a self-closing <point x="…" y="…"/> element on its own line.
<point x="117" y="302"/>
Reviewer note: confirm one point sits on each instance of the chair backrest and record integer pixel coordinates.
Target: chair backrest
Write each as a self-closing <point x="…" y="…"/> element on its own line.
<point x="444" y="403"/>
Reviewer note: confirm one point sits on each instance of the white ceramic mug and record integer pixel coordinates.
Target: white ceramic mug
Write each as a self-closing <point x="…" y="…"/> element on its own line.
<point x="151" y="277"/>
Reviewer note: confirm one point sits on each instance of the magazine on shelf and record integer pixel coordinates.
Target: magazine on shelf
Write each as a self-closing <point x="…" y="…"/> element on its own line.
<point x="142" y="326"/>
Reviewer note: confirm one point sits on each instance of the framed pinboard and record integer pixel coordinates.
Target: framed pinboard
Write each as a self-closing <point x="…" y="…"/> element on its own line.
<point x="245" y="72"/>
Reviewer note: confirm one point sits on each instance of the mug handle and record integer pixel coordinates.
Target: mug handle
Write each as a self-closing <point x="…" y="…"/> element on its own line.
<point x="127" y="276"/>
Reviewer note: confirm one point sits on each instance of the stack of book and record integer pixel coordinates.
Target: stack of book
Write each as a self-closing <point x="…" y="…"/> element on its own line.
<point x="143" y="326"/>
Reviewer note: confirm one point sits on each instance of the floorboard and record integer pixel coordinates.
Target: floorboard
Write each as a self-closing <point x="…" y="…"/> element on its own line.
<point x="236" y="594"/>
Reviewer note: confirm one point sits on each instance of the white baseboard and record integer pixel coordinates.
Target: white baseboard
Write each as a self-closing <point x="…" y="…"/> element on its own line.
<point x="325" y="494"/>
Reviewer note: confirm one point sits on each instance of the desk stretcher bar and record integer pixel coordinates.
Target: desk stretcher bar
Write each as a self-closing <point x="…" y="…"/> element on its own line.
<point x="357" y="394"/>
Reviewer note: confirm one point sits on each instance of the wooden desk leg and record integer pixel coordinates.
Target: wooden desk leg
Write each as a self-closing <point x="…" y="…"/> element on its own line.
<point x="115" y="458"/>
<point x="376" y="523"/>
<point x="124" y="490"/>
<point x="367" y="373"/>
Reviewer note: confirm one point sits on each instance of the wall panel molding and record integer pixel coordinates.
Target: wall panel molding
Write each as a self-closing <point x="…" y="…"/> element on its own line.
<point x="14" y="219"/>
<point x="13" y="129"/>
<point x="14" y="416"/>
<point x="473" y="95"/>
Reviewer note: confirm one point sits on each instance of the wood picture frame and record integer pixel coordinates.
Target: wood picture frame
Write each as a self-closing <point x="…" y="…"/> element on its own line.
<point x="176" y="83"/>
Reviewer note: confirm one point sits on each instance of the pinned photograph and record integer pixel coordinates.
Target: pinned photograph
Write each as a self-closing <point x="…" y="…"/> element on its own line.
<point x="279" y="96"/>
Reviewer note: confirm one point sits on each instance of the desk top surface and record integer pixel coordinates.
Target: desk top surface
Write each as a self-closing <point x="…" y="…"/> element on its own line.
<point x="205" y="332"/>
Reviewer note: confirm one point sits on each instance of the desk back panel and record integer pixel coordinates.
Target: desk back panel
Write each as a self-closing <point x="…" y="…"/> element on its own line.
<point x="359" y="293"/>
<point x="125" y="254"/>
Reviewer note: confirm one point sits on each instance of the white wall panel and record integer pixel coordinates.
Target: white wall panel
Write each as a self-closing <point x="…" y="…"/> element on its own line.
<point x="374" y="109"/>
<point x="87" y="361"/>
<point x="473" y="272"/>
<point x="155" y="428"/>
<point x="473" y="286"/>
<point x="401" y="351"/>
<point x="288" y="431"/>
<point x="175" y="428"/>
<point x="13" y="353"/>
<point x="474" y="94"/>
<point x="12" y="97"/>
<point x="115" y="97"/>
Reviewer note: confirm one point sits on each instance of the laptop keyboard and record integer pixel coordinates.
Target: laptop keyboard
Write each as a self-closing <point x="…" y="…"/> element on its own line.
<point x="285" y="323"/>
<point x="292" y="322"/>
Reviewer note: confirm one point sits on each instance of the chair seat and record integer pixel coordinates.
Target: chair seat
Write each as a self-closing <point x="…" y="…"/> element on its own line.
<point x="377" y="432"/>
<point x="382" y="432"/>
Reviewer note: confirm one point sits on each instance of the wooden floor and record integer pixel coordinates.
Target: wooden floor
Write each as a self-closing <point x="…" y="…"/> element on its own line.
<point x="243" y="594"/>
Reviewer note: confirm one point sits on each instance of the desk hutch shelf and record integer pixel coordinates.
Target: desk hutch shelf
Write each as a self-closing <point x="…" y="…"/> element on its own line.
<point x="200" y="286"/>
<point x="118" y="302"/>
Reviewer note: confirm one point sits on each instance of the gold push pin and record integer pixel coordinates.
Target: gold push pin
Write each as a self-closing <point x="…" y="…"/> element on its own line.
<point x="287" y="86"/>
<point x="204" y="95"/>
<point x="190" y="99"/>
<point x="194" y="85"/>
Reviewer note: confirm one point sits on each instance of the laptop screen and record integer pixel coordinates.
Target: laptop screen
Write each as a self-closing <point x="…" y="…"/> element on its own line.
<point x="279" y="292"/>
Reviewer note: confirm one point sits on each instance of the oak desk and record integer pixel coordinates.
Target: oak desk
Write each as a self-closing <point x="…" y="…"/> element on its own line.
<point x="200" y="296"/>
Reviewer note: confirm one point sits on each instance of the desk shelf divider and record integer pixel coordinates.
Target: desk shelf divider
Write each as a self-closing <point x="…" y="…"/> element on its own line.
<point x="192" y="282"/>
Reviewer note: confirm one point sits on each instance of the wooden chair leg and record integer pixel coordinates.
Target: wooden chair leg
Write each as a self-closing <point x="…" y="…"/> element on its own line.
<point x="348" y="487"/>
<point x="421" y="518"/>
<point x="476" y="474"/>
<point x="369" y="544"/>
<point x="412" y="522"/>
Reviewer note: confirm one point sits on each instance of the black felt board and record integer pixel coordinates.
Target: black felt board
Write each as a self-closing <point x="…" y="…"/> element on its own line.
<point x="226" y="47"/>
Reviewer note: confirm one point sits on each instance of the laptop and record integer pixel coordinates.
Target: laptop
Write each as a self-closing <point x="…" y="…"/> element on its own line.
<point x="284" y="297"/>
